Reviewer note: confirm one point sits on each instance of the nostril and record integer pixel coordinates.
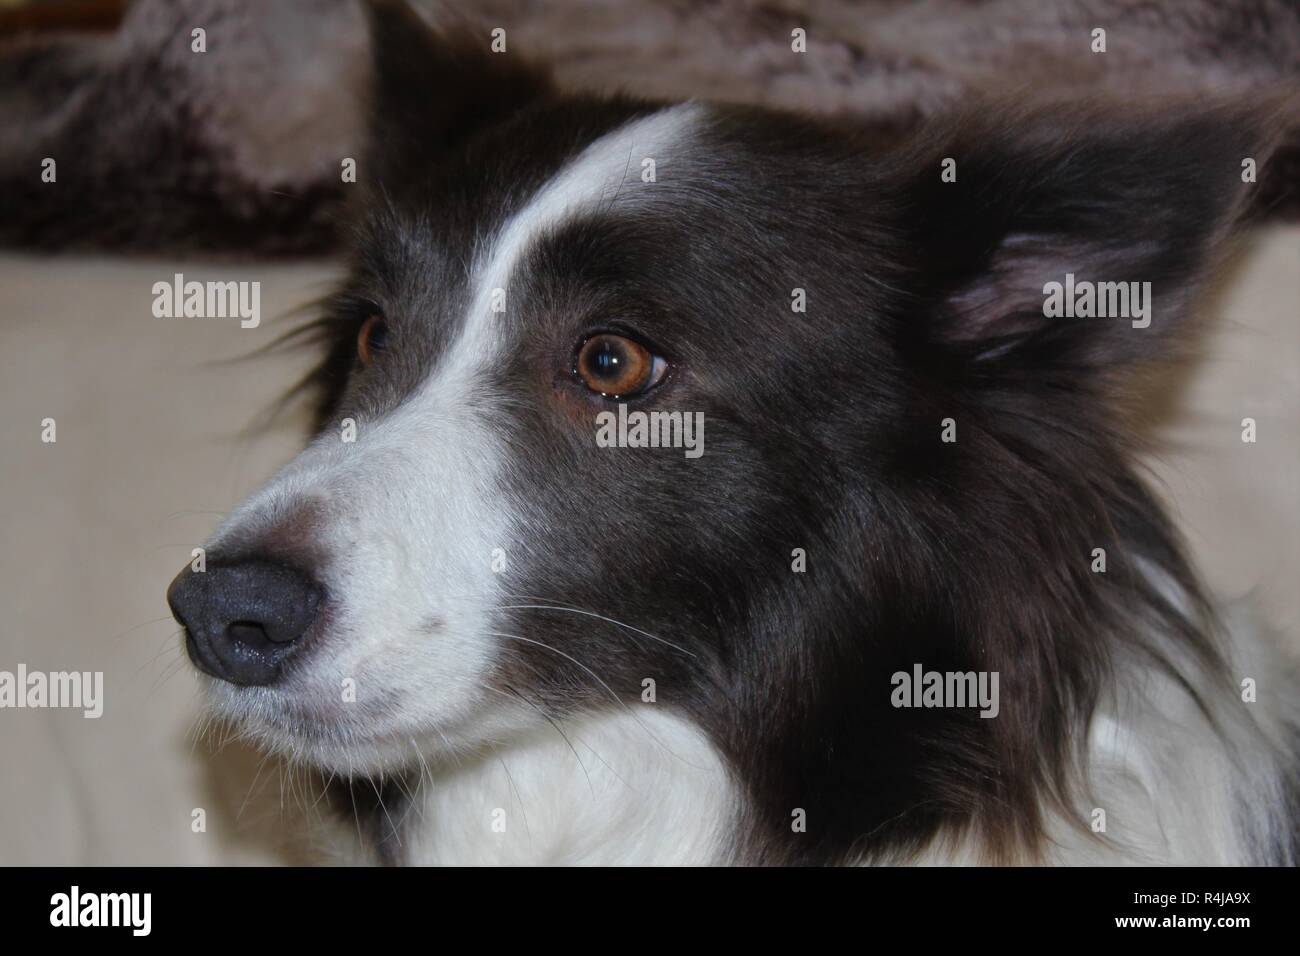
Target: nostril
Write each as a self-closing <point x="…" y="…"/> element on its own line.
<point x="252" y="634"/>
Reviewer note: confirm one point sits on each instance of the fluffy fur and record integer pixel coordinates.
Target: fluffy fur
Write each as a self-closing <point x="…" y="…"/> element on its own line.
<point x="513" y="694"/>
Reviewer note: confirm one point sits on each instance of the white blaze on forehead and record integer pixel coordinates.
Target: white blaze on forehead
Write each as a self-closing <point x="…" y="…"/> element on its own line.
<point x="409" y="514"/>
<point x="598" y="174"/>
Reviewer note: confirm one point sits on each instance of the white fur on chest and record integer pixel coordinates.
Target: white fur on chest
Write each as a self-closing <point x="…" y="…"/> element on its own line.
<point x="637" y="786"/>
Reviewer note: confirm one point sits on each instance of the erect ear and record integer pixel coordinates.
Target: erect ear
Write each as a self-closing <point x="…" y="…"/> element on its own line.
<point x="435" y="85"/>
<point x="1073" y="239"/>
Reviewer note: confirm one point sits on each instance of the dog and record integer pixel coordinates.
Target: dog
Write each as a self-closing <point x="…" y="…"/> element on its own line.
<point x="507" y="642"/>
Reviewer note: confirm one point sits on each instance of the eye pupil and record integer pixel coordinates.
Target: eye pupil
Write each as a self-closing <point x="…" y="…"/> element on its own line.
<point x="607" y="360"/>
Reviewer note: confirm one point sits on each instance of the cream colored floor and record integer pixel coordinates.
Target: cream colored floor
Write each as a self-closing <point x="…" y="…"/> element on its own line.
<point x="149" y="454"/>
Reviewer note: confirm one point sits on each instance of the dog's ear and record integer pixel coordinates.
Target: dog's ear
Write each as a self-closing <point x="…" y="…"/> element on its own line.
<point x="1015" y="225"/>
<point x="435" y="85"/>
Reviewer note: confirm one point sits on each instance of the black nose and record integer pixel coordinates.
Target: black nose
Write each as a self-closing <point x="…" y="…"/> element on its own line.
<point x="242" y="620"/>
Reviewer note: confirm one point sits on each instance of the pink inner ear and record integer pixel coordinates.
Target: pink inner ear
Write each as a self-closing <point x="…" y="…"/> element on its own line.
<point x="1007" y="298"/>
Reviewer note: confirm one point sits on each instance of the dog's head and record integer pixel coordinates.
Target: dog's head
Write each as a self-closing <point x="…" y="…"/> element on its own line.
<point x="883" y="447"/>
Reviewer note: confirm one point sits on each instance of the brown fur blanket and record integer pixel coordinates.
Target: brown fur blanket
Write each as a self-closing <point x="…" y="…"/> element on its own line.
<point x="239" y="147"/>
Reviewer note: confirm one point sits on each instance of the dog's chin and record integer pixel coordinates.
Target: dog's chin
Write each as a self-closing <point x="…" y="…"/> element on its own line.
<point x="350" y="739"/>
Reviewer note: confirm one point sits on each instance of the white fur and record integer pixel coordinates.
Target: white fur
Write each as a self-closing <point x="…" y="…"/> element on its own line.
<point x="637" y="786"/>
<point x="1175" y="792"/>
<point x="410" y="523"/>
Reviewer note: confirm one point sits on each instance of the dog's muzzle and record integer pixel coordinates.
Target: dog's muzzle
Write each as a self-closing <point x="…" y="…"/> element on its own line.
<point x="243" y="621"/>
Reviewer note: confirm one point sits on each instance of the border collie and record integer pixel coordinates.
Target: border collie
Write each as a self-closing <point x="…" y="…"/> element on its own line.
<point x="910" y="603"/>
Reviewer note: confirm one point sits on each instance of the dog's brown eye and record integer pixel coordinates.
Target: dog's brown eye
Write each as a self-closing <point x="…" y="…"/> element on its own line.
<point x="615" y="366"/>
<point x="372" y="338"/>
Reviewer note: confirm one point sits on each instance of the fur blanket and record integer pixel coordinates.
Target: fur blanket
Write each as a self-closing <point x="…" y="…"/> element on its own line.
<point x="239" y="147"/>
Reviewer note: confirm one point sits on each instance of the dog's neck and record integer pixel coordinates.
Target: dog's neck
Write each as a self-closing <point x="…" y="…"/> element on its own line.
<point x="634" y="785"/>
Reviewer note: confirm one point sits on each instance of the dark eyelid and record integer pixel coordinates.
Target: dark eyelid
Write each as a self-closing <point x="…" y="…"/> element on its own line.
<point x="364" y="309"/>
<point x="627" y="331"/>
